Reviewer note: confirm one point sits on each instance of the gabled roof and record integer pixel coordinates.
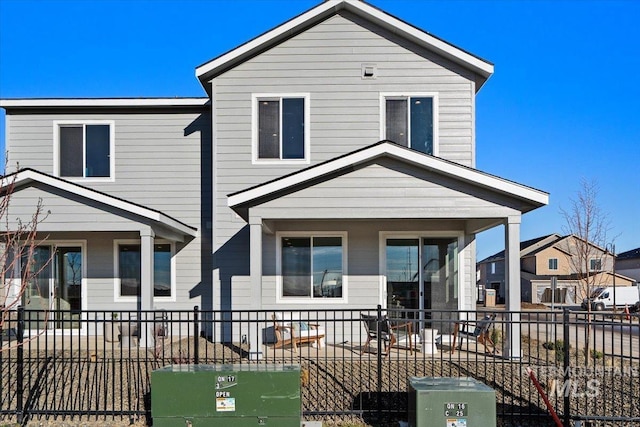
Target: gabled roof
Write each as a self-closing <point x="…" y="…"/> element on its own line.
<point x="526" y="247"/>
<point x="537" y="245"/>
<point x="633" y="253"/>
<point x="530" y="197"/>
<point x="210" y="69"/>
<point x="25" y="176"/>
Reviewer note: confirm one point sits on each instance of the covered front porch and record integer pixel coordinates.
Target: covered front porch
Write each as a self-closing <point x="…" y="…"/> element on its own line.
<point x="383" y="225"/>
<point x="91" y="251"/>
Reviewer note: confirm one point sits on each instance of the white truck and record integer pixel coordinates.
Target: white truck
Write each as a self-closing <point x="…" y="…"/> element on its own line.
<point x="602" y="298"/>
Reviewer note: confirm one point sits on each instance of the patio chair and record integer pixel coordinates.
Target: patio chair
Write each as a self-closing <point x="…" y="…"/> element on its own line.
<point x="293" y="333"/>
<point x="481" y="333"/>
<point x="391" y="332"/>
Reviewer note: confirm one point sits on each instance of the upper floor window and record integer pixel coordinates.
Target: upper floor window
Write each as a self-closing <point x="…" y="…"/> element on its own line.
<point x="595" y="264"/>
<point x="553" y="263"/>
<point x="281" y="131"/>
<point x="83" y="150"/>
<point x="411" y="121"/>
<point x="312" y="266"/>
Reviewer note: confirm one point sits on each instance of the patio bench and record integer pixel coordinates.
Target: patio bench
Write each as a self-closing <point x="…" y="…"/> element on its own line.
<point x="295" y="332"/>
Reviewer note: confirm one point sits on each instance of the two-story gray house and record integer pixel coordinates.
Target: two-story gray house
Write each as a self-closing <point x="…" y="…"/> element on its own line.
<point x="331" y="165"/>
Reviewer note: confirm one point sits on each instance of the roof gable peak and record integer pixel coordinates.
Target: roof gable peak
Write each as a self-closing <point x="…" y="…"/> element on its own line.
<point x="210" y="69"/>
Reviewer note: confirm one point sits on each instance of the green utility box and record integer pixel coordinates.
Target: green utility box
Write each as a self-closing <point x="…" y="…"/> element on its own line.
<point x="226" y="395"/>
<point x="451" y="402"/>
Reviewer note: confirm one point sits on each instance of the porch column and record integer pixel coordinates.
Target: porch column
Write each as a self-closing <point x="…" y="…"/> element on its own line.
<point x="512" y="343"/>
<point x="146" y="286"/>
<point x="255" y="270"/>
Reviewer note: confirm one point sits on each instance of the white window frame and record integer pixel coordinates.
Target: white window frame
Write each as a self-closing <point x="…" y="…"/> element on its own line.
<point x="116" y="270"/>
<point x="255" y="99"/>
<point x="57" y="124"/>
<point x="597" y="261"/>
<point x="280" y="299"/>
<point x="406" y="95"/>
<point x="16" y="284"/>
<point x="383" y="236"/>
<point x="556" y="263"/>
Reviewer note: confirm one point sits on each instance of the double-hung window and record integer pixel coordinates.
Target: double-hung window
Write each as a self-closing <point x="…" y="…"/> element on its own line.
<point x="553" y="263"/>
<point x="312" y="266"/>
<point x="129" y="269"/>
<point x="411" y="121"/>
<point x="281" y="130"/>
<point x="84" y="150"/>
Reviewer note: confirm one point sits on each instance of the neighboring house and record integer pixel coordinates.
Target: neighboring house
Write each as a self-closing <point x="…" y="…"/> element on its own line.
<point x="547" y="257"/>
<point x="628" y="264"/>
<point x="331" y="165"/>
<point x="491" y="270"/>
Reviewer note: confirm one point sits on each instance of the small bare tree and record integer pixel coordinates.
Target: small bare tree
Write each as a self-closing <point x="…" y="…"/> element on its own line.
<point x="590" y="225"/>
<point x="18" y="243"/>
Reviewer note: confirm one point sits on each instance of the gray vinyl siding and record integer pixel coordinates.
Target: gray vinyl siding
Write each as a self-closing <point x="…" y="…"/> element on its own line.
<point x="158" y="164"/>
<point x="363" y="274"/>
<point x="387" y="189"/>
<point x="325" y="62"/>
<point x="58" y="211"/>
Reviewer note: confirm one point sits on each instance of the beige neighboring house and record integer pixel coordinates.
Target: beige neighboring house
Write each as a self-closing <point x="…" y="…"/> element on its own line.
<point x="546" y="257"/>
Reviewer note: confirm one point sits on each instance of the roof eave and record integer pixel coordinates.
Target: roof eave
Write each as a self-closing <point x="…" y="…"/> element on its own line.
<point x="532" y="197"/>
<point x="27" y="175"/>
<point x="43" y="103"/>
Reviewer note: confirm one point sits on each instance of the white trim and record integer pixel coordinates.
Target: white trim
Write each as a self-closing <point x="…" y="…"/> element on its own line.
<point x="102" y="102"/>
<point x="280" y="299"/>
<point x="382" y="245"/>
<point x="57" y="124"/>
<point x="408" y="95"/>
<point x="73" y="188"/>
<point x="477" y="65"/>
<point x="116" y="270"/>
<point x="392" y="150"/>
<point x="7" y="139"/>
<point x="255" y="99"/>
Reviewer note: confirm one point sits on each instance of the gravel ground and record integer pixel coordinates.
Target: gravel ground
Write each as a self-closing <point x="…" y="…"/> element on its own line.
<point x="94" y="379"/>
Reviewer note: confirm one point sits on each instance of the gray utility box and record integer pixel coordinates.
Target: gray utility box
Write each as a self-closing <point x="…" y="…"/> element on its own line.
<point x="226" y="395"/>
<point x="451" y="402"/>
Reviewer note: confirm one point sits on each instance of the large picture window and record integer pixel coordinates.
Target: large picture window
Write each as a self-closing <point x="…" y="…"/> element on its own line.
<point x="130" y="266"/>
<point x="312" y="267"/>
<point x="410" y="121"/>
<point x="281" y="128"/>
<point x="84" y="150"/>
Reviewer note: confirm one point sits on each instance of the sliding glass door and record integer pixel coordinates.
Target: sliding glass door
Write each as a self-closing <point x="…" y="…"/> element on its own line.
<point x="422" y="274"/>
<point x="55" y="283"/>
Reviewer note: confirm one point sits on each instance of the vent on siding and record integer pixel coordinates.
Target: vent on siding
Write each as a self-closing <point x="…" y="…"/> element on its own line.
<point x="369" y="71"/>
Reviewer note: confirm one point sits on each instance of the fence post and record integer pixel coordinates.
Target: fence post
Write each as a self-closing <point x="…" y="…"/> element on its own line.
<point x="20" y="367"/>
<point x="196" y="336"/>
<point x="566" y="365"/>
<point x="379" y="357"/>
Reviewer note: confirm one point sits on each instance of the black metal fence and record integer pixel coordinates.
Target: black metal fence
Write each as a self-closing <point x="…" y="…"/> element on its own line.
<point x="354" y="363"/>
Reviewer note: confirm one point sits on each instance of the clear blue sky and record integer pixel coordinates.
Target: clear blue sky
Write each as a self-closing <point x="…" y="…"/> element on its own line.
<point x="563" y="104"/>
